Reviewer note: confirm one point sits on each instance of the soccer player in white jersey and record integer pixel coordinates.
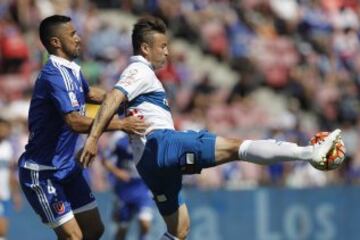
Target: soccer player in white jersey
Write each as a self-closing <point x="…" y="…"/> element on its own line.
<point x="50" y="178"/>
<point x="8" y="185"/>
<point x="163" y="155"/>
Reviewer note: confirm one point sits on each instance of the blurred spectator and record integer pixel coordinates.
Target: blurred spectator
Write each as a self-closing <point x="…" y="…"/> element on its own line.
<point x="9" y="190"/>
<point x="170" y="79"/>
<point x="13" y="48"/>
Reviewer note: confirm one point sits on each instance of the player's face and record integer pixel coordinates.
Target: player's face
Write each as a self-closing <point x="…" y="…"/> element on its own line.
<point x="70" y="41"/>
<point x="158" y="50"/>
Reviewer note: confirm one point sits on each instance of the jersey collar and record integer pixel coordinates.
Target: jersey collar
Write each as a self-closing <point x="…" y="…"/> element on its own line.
<point x="139" y="58"/>
<point x="66" y="63"/>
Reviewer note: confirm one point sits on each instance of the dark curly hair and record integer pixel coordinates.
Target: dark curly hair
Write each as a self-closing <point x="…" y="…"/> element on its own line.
<point x="143" y="29"/>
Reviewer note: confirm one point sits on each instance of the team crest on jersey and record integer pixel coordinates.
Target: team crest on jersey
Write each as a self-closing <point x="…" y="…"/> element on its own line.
<point x="73" y="100"/>
<point x="59" y="207"/>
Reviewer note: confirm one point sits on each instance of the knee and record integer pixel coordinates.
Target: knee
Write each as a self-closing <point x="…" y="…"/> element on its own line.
<point x="226" y="149"/>
<point x="76" y="235"/>
<point x="73" y="234"/>
<point x="182" y="231"/>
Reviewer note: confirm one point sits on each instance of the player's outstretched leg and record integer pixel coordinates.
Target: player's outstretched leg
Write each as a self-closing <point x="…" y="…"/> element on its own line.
<point x="272" y="151"/>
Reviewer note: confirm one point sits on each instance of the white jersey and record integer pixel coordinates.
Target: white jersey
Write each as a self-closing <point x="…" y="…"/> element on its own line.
<point x="146" y="98"/>
<point x="6" y="155"/>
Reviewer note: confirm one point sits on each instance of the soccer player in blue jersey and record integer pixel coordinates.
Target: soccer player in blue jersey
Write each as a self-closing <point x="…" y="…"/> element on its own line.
<point x="163" y="155"/>
<point x="49" y="175"/>
<point x="132" y="195"/>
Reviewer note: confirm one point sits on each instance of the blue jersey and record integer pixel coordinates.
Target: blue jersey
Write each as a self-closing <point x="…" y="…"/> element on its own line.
<point x="120" y="154"/>
<point x="123" y="154"/>
<point x="59" y="89"/>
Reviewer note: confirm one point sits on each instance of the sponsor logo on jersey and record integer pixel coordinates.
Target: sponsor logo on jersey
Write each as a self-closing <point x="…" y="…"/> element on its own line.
<point x="128" y="78"/>
<point x="73" y="100"/>
<point x="59" y="207"/>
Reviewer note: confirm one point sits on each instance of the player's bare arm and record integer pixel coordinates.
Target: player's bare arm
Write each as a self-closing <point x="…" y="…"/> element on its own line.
<point x="82" y="124"/>
<point x="95" y="95"/>
<point x="106" y="112"/>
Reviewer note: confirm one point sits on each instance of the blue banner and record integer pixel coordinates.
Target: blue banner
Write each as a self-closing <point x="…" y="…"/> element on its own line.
<point x="261" y="214"/>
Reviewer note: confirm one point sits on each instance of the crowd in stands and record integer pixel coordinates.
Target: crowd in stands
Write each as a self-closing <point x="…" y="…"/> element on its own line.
<point x="297" y="61"/>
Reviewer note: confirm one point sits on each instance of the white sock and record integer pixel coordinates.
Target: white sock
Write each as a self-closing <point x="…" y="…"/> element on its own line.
<point x="168" y="236"/>
<point x="272" y="151"/>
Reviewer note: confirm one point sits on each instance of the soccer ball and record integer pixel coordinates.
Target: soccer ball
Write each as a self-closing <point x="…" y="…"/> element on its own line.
<point x="334" y="158"/>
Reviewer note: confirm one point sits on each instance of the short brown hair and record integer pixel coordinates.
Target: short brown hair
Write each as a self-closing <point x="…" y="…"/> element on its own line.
<point x="143" y="28"/>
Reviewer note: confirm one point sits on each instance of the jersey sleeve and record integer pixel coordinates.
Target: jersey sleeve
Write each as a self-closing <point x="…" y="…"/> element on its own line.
<point x="64" y="100"/>
<point x="133" y="82"/>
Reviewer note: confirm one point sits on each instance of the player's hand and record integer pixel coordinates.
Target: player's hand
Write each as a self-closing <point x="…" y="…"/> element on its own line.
<point x="88" y="153"/>
<point x="134" y="125"/>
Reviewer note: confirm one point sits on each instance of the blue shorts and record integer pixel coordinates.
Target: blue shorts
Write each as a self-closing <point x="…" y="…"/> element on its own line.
<point x="169" y="154"/>
<point x="56" y="201"/>
<point x="133" y="199"/>
<point x="4" y="208"/>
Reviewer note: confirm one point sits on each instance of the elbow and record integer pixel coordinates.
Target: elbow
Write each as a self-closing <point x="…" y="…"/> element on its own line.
<point x="77" y="123"/>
